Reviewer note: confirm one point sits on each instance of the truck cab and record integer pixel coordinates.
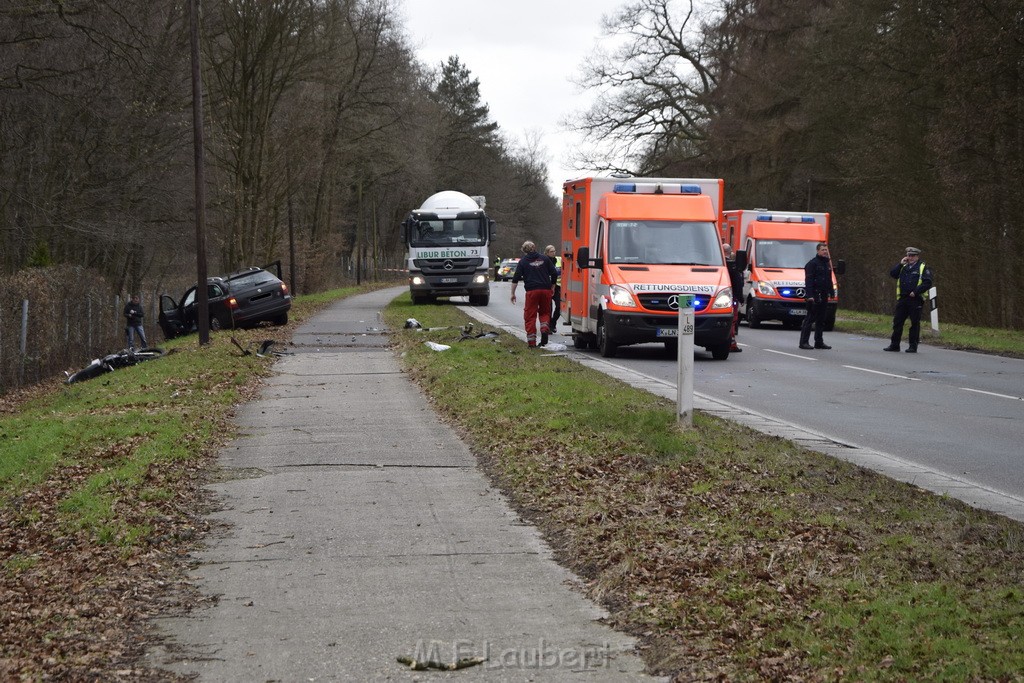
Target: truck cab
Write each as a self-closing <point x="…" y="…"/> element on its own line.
<point x="447" y="240"/>
<point x="631" y="248"/>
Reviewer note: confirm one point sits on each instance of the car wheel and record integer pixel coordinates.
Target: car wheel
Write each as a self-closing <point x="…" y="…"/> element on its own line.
<point x="720" y="352"/>
<point x="753" y="321"/>
<point x="281" y="319"/>
<point x="604" y="344"/>
<point x="215" y="323"/>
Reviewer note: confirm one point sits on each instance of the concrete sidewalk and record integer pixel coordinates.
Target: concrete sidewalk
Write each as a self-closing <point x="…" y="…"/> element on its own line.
<point x="359" y="529"/>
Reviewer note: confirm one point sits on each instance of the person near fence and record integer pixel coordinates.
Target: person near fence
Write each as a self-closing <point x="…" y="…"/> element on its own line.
<point x="134" y="314"/>
<point x="913" y="280"/>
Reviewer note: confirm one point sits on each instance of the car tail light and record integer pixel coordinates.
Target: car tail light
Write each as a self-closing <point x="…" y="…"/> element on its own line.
<point x="284" y="288"/>
<point x="232" y="303"/>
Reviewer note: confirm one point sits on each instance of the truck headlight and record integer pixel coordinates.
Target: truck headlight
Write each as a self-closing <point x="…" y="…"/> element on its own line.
<point x="418" y="280"/>
<point x="620" y="296"/>
<point x="724" y="299"/>
<point x="765" y="288"/>
<point x="480" y="279"/>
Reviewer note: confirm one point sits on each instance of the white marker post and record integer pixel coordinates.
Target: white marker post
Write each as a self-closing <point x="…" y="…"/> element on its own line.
<point x="933" y="297"/>
<point x="684" y="380"/>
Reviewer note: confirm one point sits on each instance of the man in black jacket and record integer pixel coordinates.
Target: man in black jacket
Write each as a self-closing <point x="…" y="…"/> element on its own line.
<point x="817" y="291"/>
<point x="913" y="280"/>
<point x="133" y="314"/>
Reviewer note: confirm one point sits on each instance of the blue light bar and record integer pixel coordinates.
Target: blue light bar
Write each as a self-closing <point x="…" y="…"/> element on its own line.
<point x="689" y="189"/>
<point x="764" y="216"/>
<point x="625" y="187"/>
<point x="807" y="219"/>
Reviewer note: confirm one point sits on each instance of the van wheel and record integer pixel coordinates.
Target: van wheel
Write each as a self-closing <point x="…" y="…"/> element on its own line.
<point x="605" y="345"/>
<point x="672" y="347"/>
<point x="720" y="352"/>
<point x="753" y="321"/>
<point x="830" y="322"/>
<point x="479" y="299"/>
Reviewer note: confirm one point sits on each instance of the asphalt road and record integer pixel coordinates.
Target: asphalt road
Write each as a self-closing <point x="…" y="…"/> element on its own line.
<point x="954" y="412"/>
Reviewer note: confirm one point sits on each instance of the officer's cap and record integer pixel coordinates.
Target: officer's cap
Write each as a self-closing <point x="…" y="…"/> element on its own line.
<point x="913" y="251"/>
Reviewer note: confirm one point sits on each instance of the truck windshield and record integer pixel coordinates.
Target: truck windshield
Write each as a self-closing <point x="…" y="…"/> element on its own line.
<point x="664" y="242"/>
<point x="446" y="232"/>
<point x="784" y="253"/>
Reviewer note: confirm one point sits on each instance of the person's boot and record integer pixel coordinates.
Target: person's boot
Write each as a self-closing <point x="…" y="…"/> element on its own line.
<point x="543" y="338"/>
<point x="911" y="349"/>
<point x="891" y="347"/>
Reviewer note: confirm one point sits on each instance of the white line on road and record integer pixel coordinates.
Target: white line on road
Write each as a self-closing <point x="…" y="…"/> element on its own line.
<point x="887" y="374"/>
<point x="992" y="393"/>
<point x="791" y="355"/>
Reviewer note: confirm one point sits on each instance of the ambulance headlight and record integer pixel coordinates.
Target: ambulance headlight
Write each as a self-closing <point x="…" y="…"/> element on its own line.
<point x="620" y="296"/>
<point x="724" y="299"/>
<point x="765" y="288"/>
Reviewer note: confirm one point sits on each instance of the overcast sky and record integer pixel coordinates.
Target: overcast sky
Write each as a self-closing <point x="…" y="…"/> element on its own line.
<point x="524" y="53"/>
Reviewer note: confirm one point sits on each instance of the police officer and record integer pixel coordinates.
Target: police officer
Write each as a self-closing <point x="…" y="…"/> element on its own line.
<point x="817" y="291"/>
<point x="913" y="280"/>
<point x="556" y="290"/>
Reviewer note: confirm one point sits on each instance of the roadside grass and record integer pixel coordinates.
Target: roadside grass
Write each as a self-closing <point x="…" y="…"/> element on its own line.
<point x="951" y="335"/>
<point x="101" y="494"/>
<point x="731" y="554"/>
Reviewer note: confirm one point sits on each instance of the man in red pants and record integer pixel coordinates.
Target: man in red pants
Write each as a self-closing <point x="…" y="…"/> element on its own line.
<point x="538" y="275"/>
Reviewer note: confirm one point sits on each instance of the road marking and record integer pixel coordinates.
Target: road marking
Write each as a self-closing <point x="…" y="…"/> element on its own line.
<point x="791" y="355"/>
<point x="887" y="374"/>
<point x="992" y="393"/>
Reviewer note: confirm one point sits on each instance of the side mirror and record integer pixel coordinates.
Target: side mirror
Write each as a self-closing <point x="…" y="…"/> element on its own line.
<point x="839" y="267"/>
<point x="404" y="230"/>
<point x="583" y="259"/>
<point x="492" y="230"/>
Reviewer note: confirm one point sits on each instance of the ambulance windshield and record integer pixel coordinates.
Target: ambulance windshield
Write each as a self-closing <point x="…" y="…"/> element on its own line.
<point x="664" y="242"/>
<point x="784" y="253"/>
<point x="437" y="232"/>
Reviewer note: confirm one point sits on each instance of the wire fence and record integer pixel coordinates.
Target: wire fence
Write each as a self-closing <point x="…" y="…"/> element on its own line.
<point x="57" y="319"/>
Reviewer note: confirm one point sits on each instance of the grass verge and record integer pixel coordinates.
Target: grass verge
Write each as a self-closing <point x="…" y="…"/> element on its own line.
<point x="101" y="497"/>
<point x="951" y="335"/>
<point x="732" y="555"/>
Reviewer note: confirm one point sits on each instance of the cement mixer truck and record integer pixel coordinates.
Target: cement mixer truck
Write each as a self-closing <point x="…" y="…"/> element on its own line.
<point x="447" y="242"/>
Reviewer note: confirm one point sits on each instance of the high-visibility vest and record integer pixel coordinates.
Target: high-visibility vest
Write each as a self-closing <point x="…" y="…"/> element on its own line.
<point x="558" y="264"/>
<point x="899" y="280"/>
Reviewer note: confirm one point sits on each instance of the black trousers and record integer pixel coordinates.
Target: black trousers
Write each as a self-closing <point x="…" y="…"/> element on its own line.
<point x="817" y="309"/>
<point x="556" y="306"/>
<point x="907" y="308"/>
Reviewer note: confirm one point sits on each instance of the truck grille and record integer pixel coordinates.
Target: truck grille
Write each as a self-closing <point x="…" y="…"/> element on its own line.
<point x="450" y="265"/>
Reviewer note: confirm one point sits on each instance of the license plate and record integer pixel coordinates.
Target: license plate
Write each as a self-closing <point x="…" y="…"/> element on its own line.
<point x="667" y="332"/>
<point x="449" y="280"/>
<point x="798" y="311"/>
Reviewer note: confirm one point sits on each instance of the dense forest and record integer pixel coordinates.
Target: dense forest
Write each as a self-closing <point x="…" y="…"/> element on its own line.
<point x="321" y="128"/>
<point x="904" y="120"/>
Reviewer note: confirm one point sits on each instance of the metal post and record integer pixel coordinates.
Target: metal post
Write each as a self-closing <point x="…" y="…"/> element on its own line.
<point x="24" y="326"/>
<point x="684" y="380"/>
<point x="933" y="296"/>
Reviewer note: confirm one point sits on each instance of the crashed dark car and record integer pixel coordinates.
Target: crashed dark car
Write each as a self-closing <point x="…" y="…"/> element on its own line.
<point x="242" y="299"/>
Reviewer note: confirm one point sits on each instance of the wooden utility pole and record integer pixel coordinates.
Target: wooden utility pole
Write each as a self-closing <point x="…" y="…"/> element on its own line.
<point x="202" y="296"/>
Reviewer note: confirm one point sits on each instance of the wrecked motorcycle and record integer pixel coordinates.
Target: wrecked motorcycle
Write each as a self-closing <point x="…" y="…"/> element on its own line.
<point x="113" y="361"/>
